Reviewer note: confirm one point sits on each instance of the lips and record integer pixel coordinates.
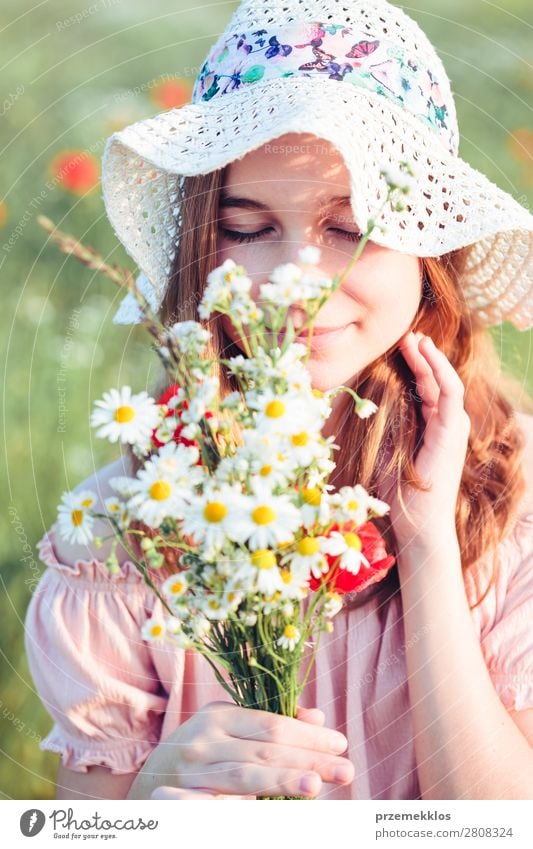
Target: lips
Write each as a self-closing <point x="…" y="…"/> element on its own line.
<point x="321" y="338"/>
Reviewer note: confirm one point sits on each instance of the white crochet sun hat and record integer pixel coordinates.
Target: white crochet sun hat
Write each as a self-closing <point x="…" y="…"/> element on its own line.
<point x="360" y="74"/>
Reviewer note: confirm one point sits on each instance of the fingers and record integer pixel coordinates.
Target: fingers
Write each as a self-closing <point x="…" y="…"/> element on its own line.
<point x="437" y="382"/>
<point x="330" y="768"/>
<point x="266" y="727"/>
<point x="426" y="385"/>
<point x="239" y="777"/>
<point x="180" y="794"/>
<point x="450" y="385"/>
<point x="313" y="715"/>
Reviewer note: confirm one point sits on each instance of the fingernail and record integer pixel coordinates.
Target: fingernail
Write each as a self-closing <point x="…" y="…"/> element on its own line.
<point x="310" y="783"/>
<point x="337" y="743"/>
<point x="342" y="773"/>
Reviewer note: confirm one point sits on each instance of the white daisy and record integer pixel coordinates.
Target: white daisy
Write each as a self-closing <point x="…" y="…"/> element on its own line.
<point x="157" y="497"/>
<point x="154" y="630"/>
<point x="268" y="577"/>
<point x="308" y="559"/>
<point x="174" y="587"/>
<point x="75" y="522"/>
<point x="364" y="408"/>
<point x="263" y="520"/>
<point x="165" y="431"/>
<point x="289" y="638"/>
<point x="116" y="508"/>
<point x="294" y="584"/>
<point x="305" y="446"/>
<point x="349" y="547"/>
<point x="126" y="417"/>
<point x="315" y="508"/>
<point x="208" y="517"/>
<point x="377" y="507"/>
<point x="178" y="461"/>
<point x="263" y="455"/>
<point x="283" y="412"/>
<point x="213" y="608"/>
<point x="350" y="504"/>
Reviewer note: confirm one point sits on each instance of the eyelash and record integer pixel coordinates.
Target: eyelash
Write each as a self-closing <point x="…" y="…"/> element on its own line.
<point x="235" y="236"/>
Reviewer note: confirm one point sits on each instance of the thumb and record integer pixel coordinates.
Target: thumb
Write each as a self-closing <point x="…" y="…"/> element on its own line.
<point x="314" y="716"/>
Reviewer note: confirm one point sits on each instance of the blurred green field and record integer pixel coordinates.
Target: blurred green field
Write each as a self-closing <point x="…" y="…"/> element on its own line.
<point x="68" y="86"/>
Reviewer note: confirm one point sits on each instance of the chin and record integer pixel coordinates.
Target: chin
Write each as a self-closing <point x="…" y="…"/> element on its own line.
<point x="328" y="375"/>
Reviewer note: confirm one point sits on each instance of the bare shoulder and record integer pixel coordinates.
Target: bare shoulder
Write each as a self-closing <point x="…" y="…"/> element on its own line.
<point x="99" y="484"/>
<point x="525" y="422"/>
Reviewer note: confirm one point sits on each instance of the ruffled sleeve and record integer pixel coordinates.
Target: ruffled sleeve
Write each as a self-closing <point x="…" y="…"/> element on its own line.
<point x="507" y="643"/>
<point x="92" y="670"/>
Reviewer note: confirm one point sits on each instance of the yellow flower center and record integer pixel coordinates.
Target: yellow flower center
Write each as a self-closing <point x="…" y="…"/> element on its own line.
<point x="353" y="541"/>
<point x="308" y="546"/>
<point x="290" y="632"/>
<point x="231" y="597"/>
<point x="263" y="515"/>
<point x="264" y="558"/>
<point x="214" y="605"/>
<point x="215" y="511"/>
<point x="265" y="471"/>
<point x="114" y="508"/>
<point x="273" y="598"/>
<point x="275" y="409"/>
<point x="124" y="414"/>
<point x="87" y="502"/>
<point x="318" y="393"/>
<point x="352" y="505"/>
<point x="177" y="587"/>
<point x="300" y="439"/>
<point x="157" y="630"/>
<point x="286" y="577"/>
<point x="160" y="490"/>
<point x="311" y="495"/>
<point x="77" y="517"/>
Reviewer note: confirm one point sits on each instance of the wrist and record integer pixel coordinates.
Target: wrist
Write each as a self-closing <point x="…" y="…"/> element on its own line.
<point x="424" y="547"/>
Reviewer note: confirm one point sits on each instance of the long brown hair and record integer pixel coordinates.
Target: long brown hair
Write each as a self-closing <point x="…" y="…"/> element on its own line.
<point x="492" y="482"/>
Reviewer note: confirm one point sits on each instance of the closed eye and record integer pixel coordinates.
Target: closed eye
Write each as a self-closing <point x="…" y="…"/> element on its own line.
<point x="237" y="236"/>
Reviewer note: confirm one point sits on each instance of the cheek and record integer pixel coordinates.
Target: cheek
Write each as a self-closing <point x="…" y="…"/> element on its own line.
<point x="388" y="285"/>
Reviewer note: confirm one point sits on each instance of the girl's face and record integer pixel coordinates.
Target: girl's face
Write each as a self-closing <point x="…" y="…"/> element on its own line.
<point x="293" y="192"/>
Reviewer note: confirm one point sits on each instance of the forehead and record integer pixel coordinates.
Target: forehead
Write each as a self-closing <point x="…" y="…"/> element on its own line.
<point x="294" y="164"/>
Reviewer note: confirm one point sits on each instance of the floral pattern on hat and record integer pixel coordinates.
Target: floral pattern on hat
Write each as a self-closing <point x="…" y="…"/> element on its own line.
<point x="336" y="52"/>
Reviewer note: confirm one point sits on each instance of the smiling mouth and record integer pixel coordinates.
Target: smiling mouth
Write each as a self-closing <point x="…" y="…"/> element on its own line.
<point x="317" y="331"/>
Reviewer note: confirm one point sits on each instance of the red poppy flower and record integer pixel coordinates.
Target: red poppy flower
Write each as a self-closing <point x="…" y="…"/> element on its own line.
<point x="76" y="171"/>
<point x="373" y="548"/>
<point x="170" y="94"/>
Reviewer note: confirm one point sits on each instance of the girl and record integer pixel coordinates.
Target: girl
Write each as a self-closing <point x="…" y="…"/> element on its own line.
<point x="425" y="688"/>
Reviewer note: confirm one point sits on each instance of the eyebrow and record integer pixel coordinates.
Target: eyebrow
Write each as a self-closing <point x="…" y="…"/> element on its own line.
<point x="226" y="200"/>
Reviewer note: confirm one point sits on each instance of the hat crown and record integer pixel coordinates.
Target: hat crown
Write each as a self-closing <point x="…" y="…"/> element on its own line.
<point x="313" y="38"/>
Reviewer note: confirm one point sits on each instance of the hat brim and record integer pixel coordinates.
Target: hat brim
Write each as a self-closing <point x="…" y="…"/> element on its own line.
<point x="453" y="204"/>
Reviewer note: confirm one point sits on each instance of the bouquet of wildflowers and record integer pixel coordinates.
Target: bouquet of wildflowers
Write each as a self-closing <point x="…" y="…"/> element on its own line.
<point x="237" y="487"/>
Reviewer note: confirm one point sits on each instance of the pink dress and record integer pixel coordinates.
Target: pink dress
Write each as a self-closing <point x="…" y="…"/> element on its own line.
<point x="114" y="697"/>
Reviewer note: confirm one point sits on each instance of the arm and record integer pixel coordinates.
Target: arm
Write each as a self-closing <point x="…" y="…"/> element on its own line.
<point x="97" y="783"/>
<point x="466" y="743"/>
